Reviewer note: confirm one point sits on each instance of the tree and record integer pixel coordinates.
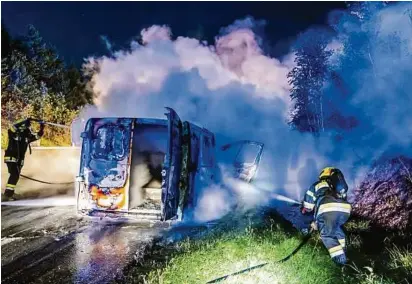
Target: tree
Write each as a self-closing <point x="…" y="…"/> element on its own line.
<point x="77" y="94"/>
<point x="5" y="42"/>
<point x="363" y="47"/>
<point x="358" y="39"/>
<point x="18" y="86"/>
<point x="36" y="83"/>
<point x="45" y="65"/>
<point x="307" y="80"/>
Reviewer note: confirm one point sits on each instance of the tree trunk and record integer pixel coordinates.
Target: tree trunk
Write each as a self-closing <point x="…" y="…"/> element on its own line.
<point x="321" y="111"/>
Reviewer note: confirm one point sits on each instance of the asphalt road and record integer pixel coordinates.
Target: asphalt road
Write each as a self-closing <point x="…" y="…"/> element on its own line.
<point x="53" y="245"/>
<point x="45" y="241"/>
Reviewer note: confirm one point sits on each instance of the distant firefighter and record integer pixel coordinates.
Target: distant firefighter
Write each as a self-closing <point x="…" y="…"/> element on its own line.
<point x="20" y="137"/>
<point x="326" y="198"/>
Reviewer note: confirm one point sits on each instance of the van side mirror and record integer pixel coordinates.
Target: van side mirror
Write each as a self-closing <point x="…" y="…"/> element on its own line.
<point x="84" y="135"/>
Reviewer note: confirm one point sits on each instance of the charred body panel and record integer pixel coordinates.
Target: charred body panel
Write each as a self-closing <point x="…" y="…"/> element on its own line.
<point x="172" y="167"/>
<point x="104" y="181"/>
<point x="105" y="162"/>
<point x="127" y="161"/>
<point x="198" y="166"/>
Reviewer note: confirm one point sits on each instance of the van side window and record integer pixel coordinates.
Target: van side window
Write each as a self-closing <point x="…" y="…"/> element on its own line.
<point x="248" y="154"/>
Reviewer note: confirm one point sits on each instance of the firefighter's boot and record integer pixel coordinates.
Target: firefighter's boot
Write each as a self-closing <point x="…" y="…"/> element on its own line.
<point x="9" y="195"/>
<point x="340" y="259"/>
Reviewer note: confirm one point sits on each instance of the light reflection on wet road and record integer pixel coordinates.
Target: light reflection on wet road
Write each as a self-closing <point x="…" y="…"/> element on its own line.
<point x="53" y="245"/>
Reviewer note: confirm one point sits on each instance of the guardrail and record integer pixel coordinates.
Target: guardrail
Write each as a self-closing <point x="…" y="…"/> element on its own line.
<point x="54" y="164"/>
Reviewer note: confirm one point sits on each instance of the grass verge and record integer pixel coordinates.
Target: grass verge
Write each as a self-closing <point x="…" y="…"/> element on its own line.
<point x="375" y="257"/>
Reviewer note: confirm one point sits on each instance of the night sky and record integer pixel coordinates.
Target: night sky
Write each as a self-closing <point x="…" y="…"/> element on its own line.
<point x="75" y="28"/>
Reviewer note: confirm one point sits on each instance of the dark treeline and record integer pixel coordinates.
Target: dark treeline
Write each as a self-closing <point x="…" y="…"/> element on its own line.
<point x="352" y="80"/>
<point x="321" y="86"/>
<point x="36" y="82"/>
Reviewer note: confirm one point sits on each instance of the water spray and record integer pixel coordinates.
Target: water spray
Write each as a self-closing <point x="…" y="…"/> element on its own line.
<point x="43" y="202"/>
<point x="56" y="124"/>
<point x="50" y="123"/>
<point x="285" y="199"/>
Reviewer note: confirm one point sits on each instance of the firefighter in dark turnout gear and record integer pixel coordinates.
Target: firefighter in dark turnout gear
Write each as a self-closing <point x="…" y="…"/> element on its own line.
<point x="20" y="137"/>
<point x="326" y="199"/>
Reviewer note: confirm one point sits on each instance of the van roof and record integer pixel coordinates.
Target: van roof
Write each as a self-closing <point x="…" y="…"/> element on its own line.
<point x="138" y="119"/>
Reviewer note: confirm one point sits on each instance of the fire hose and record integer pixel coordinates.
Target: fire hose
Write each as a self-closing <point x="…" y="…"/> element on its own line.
<point x="53" y="124"/>
<point x="49" y="123"/>
<point x="302" y="243"/>
<point x="45" y="182"/>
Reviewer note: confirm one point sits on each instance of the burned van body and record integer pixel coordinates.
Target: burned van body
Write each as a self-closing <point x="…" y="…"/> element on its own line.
<point x="149" y="168"/>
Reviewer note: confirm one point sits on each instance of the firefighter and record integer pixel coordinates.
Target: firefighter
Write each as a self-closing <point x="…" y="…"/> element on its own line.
<point x="326" y="199"/>
<point x="20" y="137"/>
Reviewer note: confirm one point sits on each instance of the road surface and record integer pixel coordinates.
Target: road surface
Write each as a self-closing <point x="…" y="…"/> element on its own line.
<point x="45" y="241"/>
<point x="51" y="244"/>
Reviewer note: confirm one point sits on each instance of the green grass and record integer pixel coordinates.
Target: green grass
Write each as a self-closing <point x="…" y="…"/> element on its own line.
<point x="379" y="256"/>
<point x="202" y="261"/>
<point x="238" y="244"/>
<point x="358" y="225"/>
<point x="401" y="259"/>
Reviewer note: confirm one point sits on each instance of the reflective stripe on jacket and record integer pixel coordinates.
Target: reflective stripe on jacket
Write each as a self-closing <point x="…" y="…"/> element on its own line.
<point x="318" y="198"/>
<point x="334" y="207"/>
<point x="13" y="160"/>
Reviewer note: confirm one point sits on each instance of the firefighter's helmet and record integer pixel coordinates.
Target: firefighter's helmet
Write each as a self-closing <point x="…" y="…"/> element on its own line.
<point x="328" y="172"/>
<point x="22" y="124"/>
<point x="335" y="178"/>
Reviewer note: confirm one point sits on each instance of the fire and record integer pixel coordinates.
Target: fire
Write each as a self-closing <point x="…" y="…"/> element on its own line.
<point x="112" y="198"/>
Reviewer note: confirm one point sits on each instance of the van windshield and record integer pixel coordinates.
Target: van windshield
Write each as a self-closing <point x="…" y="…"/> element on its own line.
<point x="110" y="143"/>
<point x="106" y="151"/>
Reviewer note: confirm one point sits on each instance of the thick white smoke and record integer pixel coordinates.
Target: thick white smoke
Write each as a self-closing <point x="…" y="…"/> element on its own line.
<point x="232" y="89"/>
<point x="373" y="58"/>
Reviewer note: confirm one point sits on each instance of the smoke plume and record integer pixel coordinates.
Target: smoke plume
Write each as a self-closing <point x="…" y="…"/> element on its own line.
<point x="236" y="91"/>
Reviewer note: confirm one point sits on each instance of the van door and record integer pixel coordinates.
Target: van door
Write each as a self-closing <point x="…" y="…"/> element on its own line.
<point x="172" y="167"/>
<point x="246" y="158"/>
<point x="105" y="163"/>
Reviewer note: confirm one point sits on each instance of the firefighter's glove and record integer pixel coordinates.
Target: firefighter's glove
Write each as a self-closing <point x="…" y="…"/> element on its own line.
<point x="41" y="131"/>
<point x="303" y="209"/>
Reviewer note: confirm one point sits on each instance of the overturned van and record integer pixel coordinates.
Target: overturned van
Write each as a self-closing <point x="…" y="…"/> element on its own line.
<point x="150" y="168"/>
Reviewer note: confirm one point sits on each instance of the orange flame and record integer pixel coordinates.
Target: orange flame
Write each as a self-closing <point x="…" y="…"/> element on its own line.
<point x="110" y="200"/>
